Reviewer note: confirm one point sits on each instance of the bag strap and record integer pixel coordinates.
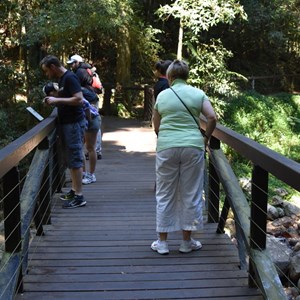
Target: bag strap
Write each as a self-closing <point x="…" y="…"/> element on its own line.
<point x="187" y="109"/>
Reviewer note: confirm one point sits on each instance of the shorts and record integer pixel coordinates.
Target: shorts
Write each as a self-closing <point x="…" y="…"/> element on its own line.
<point x="94" y="124"/>
<point x="73" y="134"/>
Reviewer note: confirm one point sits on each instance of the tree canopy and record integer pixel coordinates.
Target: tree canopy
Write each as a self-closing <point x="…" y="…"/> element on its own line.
<point x="224" y="42"/>
<point x="124" y="38"/>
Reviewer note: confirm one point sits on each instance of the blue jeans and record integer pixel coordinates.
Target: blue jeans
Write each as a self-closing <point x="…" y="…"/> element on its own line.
<point x="73" y="134"/>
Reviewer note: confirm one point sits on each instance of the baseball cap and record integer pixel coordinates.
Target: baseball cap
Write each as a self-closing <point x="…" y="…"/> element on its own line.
<point x="50" y="87"/>
<point x="75" y="58"/>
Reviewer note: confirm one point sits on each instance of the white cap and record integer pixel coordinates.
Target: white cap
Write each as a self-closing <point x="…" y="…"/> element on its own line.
<point x="75" y="58"/>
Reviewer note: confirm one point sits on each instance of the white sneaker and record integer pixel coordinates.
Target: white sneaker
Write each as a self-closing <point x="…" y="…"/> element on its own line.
<point x="89" y="178"/>
<point x="160" y="247"/>
<point x="93" y="178"/>
<point x="189" y="246"/>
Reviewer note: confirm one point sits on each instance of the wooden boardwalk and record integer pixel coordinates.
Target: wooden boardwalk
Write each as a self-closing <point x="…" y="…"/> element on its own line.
<point x="102" y="251"/>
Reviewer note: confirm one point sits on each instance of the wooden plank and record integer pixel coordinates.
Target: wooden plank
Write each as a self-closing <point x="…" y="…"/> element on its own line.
<point x="124" y="285"/>
<point x="148" y="294"/>
<point x="122" y="276"/>
<point x="153" y="261"/>
<point x="102" y="251"/>
<point x="133" y="269"/>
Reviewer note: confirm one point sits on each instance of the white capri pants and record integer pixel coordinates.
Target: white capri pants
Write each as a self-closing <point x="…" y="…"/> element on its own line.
<point x="179" y="187"/>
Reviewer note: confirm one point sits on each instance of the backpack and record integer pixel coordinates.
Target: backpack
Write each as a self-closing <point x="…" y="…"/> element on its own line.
<point x="96" y="82"/>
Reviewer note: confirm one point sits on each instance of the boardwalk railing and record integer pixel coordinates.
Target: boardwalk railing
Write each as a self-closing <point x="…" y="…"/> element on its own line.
<point x="26" y="197"/>
<point x="250" y="221"/>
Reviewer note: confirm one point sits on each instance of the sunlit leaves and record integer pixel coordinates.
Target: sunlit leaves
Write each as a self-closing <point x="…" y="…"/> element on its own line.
<point x="199" y="16"/>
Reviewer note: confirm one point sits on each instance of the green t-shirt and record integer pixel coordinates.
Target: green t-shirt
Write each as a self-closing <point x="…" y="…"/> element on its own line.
<point x="177" y="126"/>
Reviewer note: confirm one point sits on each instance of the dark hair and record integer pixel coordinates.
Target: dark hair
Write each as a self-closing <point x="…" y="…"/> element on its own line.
<point x="50" y="87"/>
<point x="162" y="66"/>
<point x="50" y="60"/>
<point x="178" y="69"/>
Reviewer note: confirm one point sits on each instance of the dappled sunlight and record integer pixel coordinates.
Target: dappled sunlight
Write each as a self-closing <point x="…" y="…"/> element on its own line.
<point x="133" y="139"/>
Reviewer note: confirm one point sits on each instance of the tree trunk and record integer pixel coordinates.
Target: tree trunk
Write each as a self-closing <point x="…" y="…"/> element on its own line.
<point x="180" y="38"/>
<point x="123" y="62"/>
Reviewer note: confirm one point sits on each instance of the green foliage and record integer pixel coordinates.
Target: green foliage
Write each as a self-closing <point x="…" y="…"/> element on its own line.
<point x="208" y="69"/>
<point x="14" y="122"/>
<point x="122" y="111"/>
<point x="268" y="44"/>
<point x="273" y="121"/>
<point x="208" y="60"/>
<point x="6" y="134"/>
<point x="11" y="82"/>
<point x="72" y="20"/>
<point x="145" y="47"/>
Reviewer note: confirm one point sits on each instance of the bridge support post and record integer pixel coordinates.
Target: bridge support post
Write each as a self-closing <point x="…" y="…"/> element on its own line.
<point x="12" y="217"/>
<point x="148" y="103"/>
<point x="258" y="222"/>
<point x="214" y="187"/>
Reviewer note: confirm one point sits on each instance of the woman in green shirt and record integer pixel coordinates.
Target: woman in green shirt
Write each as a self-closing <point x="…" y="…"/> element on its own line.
<point x="180" y="158"/>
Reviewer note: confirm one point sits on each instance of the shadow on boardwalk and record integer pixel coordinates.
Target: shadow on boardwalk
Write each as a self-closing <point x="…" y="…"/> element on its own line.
<point x="102" y="251"/>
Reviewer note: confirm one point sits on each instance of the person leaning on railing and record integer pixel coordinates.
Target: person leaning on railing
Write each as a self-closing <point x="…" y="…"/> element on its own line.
<point x="72" y="124"/>
<point x="180" y="158"/>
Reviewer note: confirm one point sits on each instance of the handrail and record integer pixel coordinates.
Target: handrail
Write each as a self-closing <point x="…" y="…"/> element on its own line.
<point x="13" y="153"/>
<point x="267" y="275"/>
<point x="32" y="202"/>
<point x="251" y="223"/>
<point x="280" y="166"/>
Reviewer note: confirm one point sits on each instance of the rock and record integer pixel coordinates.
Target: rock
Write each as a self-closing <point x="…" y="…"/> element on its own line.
<point x="291" y="208"/>
<point x="291" y="293"/>
<point x="297" y="247"/>
<point x="281" y="212"/>
<point x="230" y="225"/>
<point x="290" y="233"/>
<point x="275" y="230"/>
<point x="293" y="241"/>
<point x="298" y="284"/>
<point x="285" y="221"/>
<point x="280" y="253"/>
<point x="272" y="212"/>
<point x="294" y="267"/>
<point x="277" y="201"/>
<point x="281" y="192"/>
<point x="245" y="184"/>
<point x="294" y="291"/>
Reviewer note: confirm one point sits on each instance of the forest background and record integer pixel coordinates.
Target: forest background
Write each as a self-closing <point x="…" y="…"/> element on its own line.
<point x="244" y="54"/>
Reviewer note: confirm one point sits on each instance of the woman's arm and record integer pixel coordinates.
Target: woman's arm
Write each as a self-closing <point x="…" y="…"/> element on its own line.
<point x="156" y="121"/>
<point x="209" y="113"/>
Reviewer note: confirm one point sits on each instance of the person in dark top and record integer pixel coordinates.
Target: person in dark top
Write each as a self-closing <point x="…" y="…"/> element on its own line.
<point x="72" y="124"/>
<point x="160" y="72"/>
<point x="79" y="67"/>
